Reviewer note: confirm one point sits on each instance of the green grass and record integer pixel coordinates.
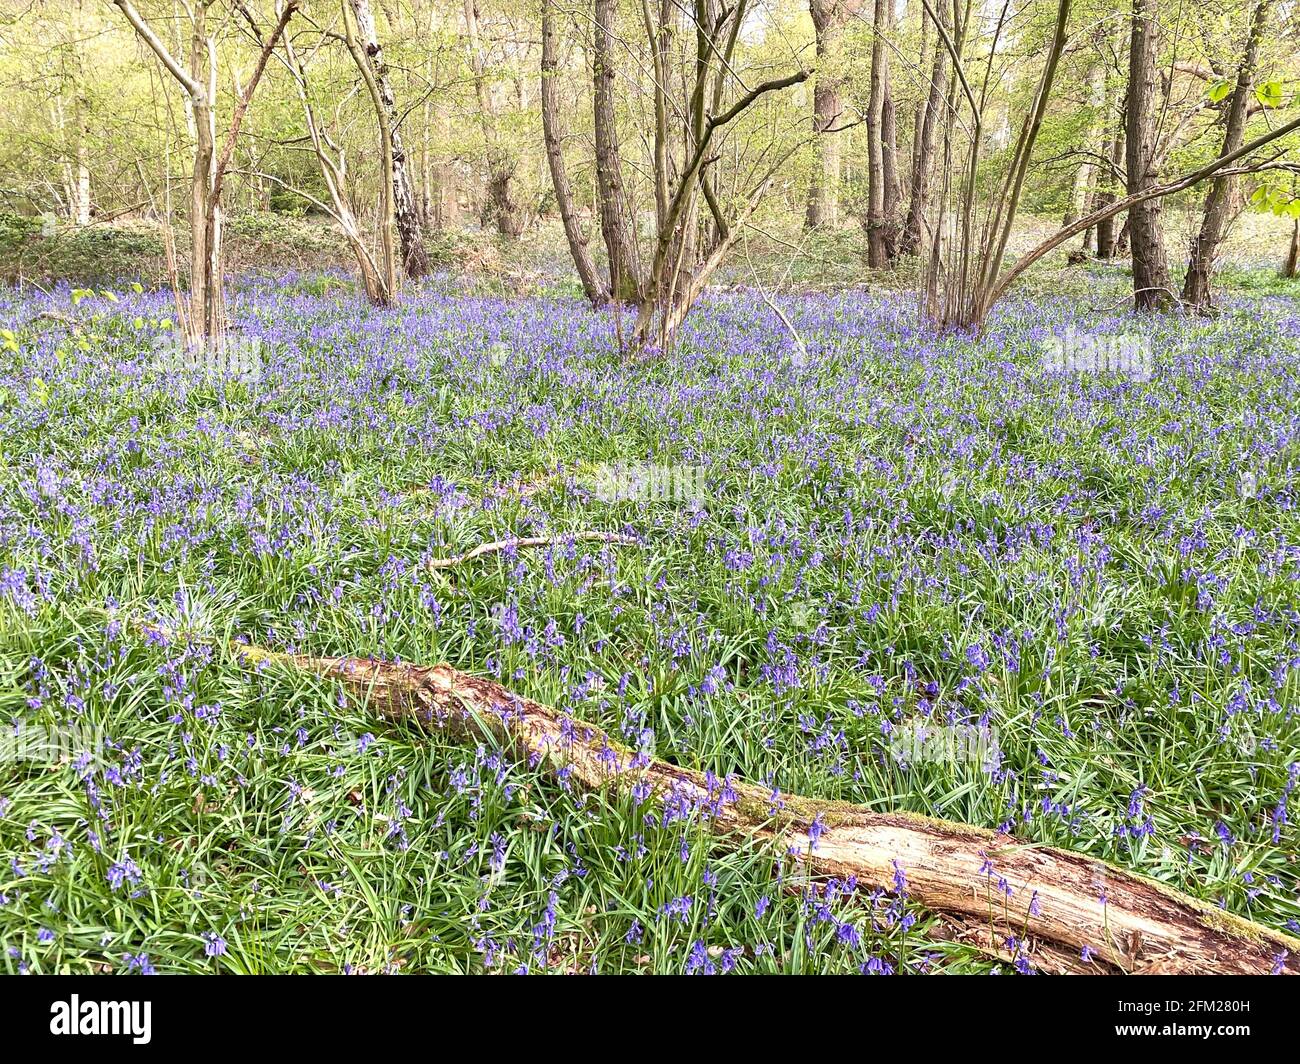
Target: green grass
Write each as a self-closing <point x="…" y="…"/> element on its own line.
<point x="870" y="519"/>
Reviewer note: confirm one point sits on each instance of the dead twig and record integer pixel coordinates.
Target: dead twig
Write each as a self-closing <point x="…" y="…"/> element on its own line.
<point x="533" y="541"/>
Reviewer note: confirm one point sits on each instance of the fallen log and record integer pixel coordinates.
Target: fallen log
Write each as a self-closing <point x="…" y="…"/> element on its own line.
<point x="1087" y="914"/>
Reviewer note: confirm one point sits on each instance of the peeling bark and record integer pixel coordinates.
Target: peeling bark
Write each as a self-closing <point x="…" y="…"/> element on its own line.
<point x="415" y="259"/>
<point x="1141" y="926"/>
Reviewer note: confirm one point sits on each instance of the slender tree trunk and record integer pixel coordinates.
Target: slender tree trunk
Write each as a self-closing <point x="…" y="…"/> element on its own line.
<point x="1106" y="245"/>
<point x="448" y="206"/>
<point x="615" y="215"/>
<point x="501" y="205"/>
<point x="81" y="200"/>
<point x="428" y="217"/>
<point x="1292" y="263"/>
<point x="1084" y="176"/>
<point x="923" y="163"/>
<point x="204" y="319"/>
<point x="893" y="182"/>
<point x="591" y="283"/>
<point x="1150" y="263"/>
<point x="1218" y="202"/>
<point x="378" y="276"/>
<point x="918" y="116"/>
<point x="415" y="259"/>
<point x="205" y="215"/>
<point x="823" y="193"/>
<point x="893" y="190"/>
<point x="878" y="241"/>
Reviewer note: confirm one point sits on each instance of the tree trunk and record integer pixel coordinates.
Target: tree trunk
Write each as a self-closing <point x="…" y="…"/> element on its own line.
<point x="406" y="214"/>
<point x="1151" y="289"/>
<point x="428" y="215"/>
<point x="1106" y="245"/>
<point x="1218" y="202"/>
<point x="1067" y="901"/>
<point x="591" y="283"/>
<point x="378" y="276"/>
<point x="81" y="201"/>
<point x="918" y="115"/>
<point x="204" y="320"/>
<point x="914" y="226"/>
<point x="1085" y="175"/>
<point x="878" y="170"/>
<point x="205" y="214"/>
<point x="615" y="216"/>
<point x="823" y="192"/>
<point x="500" y="206"/>
<point x="893" y="190"/>
<point x="448" y="202"/>
<point x="1293" y="255"/>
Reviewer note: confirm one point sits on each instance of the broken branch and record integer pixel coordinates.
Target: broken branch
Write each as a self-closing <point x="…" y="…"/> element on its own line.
<point x="532" y="541"/>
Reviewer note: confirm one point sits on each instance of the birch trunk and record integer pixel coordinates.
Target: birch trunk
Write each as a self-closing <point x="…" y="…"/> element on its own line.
<point x="406" y="214"/>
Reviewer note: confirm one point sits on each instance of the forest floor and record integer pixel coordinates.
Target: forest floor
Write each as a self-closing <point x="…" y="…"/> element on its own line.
<point x="839" y="536"/>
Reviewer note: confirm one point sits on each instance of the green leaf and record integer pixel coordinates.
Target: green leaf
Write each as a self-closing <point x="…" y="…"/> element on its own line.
<point x="1219" y="90"/>
<point x="1269" y="93"/>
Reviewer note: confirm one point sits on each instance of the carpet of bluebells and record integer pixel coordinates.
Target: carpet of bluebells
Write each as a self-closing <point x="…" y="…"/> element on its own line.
<point x="894" y="526"/>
